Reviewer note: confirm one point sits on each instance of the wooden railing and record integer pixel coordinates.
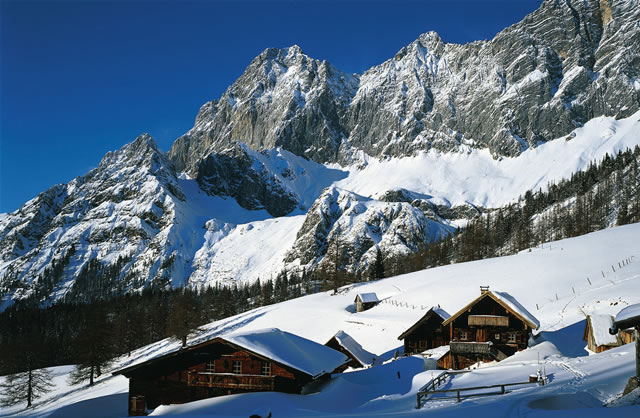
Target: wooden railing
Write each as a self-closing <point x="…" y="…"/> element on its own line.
<point x="430" y="389"/>
<point x="434" y="383"/>
<point x="232" y="381"/>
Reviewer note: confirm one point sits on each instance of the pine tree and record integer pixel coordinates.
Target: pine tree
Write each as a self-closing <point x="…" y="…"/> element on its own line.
<point x="94" y="347"/>
<point x="183" y="318"/>
<point x="378" y="265"/>
<point x="26" y="353"/>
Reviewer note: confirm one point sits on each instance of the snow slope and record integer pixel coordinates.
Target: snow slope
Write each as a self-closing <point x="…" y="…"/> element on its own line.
<point x="474" y="176"/>
<point x="550" y="281"/>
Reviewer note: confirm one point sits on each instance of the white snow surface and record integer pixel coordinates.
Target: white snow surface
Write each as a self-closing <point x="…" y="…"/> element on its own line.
<point x="300" y="353"/>
<point x="367" y="297"/>
<point x="517" y="307"/>
<point x="628" y="313"/>
<point x="474" y="176"/>
<point x="351" y="345"/>
<point x="600" y="325"/>
<point x="543" y="280"/>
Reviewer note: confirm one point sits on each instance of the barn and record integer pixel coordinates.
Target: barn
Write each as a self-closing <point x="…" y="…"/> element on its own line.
<point x="366" y="301"/>
<point x="262" y="360"/>
<point x="427" y="332"/>
<point x="597" y="336"/>
<point x="344" y="343"/>
<point x="491" y="327"/>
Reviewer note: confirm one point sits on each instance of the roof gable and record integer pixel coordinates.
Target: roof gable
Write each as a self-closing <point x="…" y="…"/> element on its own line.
<point x="435" y="310"/>
<point x="367" y="297"/>
<point x="364" y="357"/>
<point x="505" y="300"/>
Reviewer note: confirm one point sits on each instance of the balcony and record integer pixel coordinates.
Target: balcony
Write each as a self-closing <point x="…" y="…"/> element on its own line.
<point x="232" y="381"/>
<point x="475" y="348"/>
<point x="488" y="320"/>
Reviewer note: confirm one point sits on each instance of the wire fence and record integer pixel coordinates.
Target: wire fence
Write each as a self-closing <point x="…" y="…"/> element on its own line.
<point x="606" y="276"/>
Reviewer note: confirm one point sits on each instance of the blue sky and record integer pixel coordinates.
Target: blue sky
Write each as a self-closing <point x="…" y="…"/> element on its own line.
<point x="80" y="78"/>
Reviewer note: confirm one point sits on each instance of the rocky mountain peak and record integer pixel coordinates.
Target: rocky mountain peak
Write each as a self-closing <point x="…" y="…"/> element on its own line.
<point x="537" y="80"/>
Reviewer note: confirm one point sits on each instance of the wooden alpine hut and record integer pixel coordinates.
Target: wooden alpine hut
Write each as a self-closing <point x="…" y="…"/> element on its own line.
<point x="597" y="336"/>
<point x="345" y="344"/>
<point x="491" y="327"/>
<point x="262" y="360"/>
<point x="428" y="332"/>
<point x="366" y="301"/>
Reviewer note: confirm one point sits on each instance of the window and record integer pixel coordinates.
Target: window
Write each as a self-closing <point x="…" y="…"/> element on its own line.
<point x="266" y="368"/>
<point x="237" y="367"/>
<point x="497" y="336"/>
<point x="513" y="337"/>
<point x="210" y="367"/>
<point x="423" y="344"/>
<point x="464" y="335"/>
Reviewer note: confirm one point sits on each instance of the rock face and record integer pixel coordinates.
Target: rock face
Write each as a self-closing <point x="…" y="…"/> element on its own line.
<point x="349" y="228"/>
<point x="123" y="212"/>
<point x="283" y="99"/>
<point x="564" y="64"/>
<point x="234" y="173"/>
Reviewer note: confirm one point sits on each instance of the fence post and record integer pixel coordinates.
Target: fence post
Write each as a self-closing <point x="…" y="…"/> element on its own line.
<point x="458" y="394"/>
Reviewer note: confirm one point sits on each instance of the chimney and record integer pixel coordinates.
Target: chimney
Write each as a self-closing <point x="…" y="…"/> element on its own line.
<point x="484" y="289"/>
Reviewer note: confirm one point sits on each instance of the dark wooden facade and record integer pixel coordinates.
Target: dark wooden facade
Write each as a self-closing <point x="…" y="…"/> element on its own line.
<point x="210" y="369"/>
<point x="487" y="329"/>
<point x="353" y="361"/>
<point x="428" y="332"/>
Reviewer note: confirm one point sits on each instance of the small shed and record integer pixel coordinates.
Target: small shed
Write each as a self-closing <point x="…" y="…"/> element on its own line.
<point x="597" y="336"/>
<point x="366" y="301"/>
<point x="261" y="360"/>
<point x="344" y="343"/>
<point x="427" y="332"/>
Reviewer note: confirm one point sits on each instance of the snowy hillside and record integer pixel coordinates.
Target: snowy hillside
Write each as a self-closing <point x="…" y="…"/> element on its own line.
<point x="558" y="282"/>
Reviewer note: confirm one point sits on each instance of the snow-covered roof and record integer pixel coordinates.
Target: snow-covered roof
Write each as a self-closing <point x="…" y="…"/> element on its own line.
<point x="367" y="297"/>
<point x="280" y="346"/>
<point x="291" y="350"/>
<point x="629" y="316"/>
<point x="507" y="301"/>
<point x="600" y="325"/>
<point x="436" y="353"/>
<point x="437" y="310"/>
<point x="517" y="308"/>
<point x="441" y="312"/>
<point x="363" y="356"/>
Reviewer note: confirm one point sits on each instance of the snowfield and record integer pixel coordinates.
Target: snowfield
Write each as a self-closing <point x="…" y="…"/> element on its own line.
<point x="558" y="282"/>
<point x="474" y="176"/>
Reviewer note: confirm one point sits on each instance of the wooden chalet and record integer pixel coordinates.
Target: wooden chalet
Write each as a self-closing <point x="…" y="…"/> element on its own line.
<point x="263" y="360"/>
<point x="428" y="332"/>
<point x="344" y="343"/>
<point x="597" y="336"/>
<point x="366" y="301"/>
<point x="491" y="327"/>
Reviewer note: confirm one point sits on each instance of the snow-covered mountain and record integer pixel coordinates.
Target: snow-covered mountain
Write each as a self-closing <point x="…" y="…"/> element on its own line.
<point x="559" y="283"/>
<point x="564" y="64"/>
<point x="297" y="158"/>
